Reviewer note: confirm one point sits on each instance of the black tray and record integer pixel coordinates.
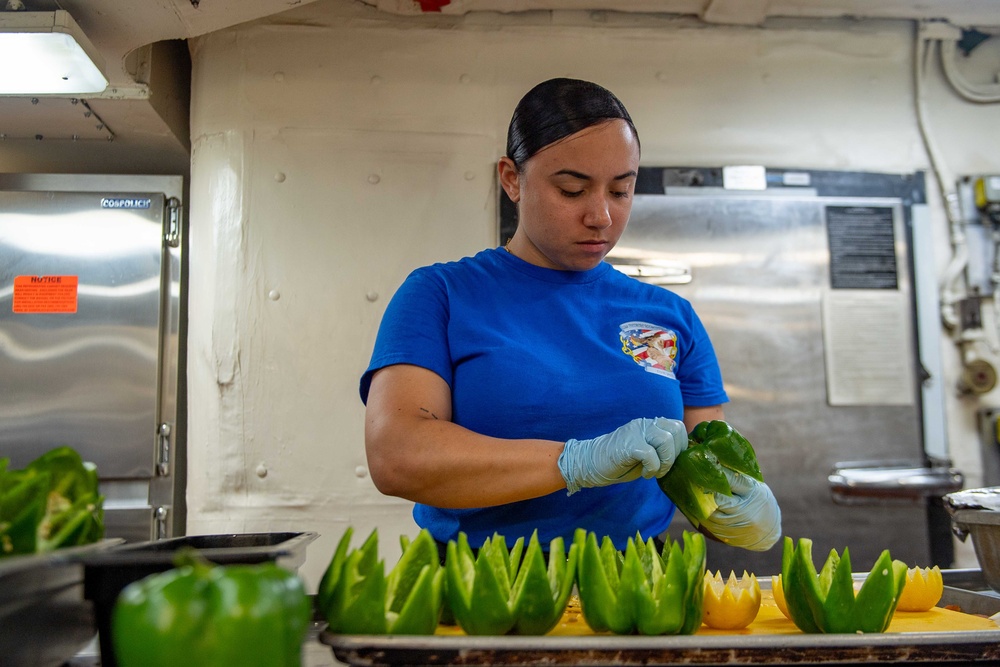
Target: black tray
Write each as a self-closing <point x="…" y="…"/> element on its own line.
<point x="107" y="573"/>
<point x="44" y="618"/>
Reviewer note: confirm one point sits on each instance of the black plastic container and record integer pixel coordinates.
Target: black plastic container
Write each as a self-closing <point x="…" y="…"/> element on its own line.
<point x="44" y="618"/>
<point x="107" y="573"/>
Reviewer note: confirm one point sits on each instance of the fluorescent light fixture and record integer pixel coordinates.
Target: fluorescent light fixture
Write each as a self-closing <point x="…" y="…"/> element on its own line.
<point x="46" y="53"/>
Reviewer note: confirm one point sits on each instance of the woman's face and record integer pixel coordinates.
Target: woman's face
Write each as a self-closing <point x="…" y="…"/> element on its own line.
<point x="574" y="197"/>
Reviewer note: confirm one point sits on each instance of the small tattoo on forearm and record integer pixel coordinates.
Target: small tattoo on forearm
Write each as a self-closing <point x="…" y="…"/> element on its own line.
<point x="433" y="416"/>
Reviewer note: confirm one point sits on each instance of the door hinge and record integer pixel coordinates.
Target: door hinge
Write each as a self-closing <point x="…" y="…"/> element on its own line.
<point x="161" y="525"/>
<point x="163" y="449"/>
<point x="172" y="233"/>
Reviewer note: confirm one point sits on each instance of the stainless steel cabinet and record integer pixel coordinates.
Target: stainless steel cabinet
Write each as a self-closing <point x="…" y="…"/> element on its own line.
<point x="90" y="283"/>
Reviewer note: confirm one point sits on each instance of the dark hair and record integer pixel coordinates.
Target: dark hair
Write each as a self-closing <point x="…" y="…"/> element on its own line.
<point x="557" y="108"/>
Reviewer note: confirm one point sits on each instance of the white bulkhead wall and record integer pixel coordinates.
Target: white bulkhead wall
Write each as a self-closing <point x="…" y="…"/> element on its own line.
<point x="336" y="148"/>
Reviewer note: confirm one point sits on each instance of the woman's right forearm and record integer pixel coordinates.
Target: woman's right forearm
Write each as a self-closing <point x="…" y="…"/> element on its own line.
<point x="416" y="452"/>
<point x="439" y="463"/>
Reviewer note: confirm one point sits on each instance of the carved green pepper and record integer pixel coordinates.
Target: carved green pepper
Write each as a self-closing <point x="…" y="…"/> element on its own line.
<point x="356" y="597"/>
<point x="495" y="592"/>
<point x="825" y="601"/>
<point x="641" y="591"/>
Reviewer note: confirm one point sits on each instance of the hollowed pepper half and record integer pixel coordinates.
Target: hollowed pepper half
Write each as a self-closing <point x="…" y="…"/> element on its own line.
<point x="825" y="601"/>
<point x="496" y="592"/>
<point x="697" y="475"/>
<point x="641" y="590"/>
<point x="356" y="597"/>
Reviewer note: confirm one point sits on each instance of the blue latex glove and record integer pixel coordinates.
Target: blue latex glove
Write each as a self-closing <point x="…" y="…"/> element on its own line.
<point x="750" y="518"/>
<point x="643" y="447"/>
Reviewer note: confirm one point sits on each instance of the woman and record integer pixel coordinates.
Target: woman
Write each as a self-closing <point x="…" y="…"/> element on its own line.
<point x="515" y="390"/>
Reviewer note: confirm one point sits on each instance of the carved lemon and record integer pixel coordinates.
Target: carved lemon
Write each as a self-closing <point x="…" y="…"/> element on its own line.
<point x="923" y="589"/>
<point x="779" y="594"/>
<point x="732" y="604"/>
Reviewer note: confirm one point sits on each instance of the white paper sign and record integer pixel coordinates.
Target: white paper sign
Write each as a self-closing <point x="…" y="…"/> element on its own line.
<point x="868" y="348"/>
<point x="744" y="177"/>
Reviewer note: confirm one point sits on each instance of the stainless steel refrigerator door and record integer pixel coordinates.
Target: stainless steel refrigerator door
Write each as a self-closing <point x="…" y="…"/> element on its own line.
<point x="758" y="271"/>
<point x="85" y="375"/>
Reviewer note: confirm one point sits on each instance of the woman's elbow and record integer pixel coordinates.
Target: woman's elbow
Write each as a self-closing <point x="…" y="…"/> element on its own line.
<point x="390" y="475"/>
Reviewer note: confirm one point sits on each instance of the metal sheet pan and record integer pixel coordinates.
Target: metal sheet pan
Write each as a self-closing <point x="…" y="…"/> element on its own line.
<point x="960" y="647"/>
<point x="939" y="635"/>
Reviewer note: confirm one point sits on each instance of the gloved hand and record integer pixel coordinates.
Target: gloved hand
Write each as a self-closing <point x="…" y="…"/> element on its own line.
<point x="643" y="447"/>
<point x="750" y="518"/>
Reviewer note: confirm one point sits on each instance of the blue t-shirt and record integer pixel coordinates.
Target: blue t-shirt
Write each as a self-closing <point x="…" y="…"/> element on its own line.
<point x="531" y="352"/>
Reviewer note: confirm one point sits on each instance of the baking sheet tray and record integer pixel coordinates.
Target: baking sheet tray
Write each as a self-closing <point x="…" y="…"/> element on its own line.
<point x="939" y="635"/>
<point x="712" y="650"/>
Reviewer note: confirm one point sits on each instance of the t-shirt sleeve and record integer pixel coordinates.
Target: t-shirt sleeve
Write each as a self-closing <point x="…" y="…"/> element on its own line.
<point x="698" y="373"/>
<point x="414" y="329"/>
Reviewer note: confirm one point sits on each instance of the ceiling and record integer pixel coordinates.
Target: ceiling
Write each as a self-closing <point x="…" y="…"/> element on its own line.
<point x="141" y="42"/>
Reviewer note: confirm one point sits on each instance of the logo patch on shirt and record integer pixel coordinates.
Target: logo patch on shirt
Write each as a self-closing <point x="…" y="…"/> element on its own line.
<point x="651" y="346"/>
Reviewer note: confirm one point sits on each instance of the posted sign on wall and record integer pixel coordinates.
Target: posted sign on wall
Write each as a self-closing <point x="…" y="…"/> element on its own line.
<point x="45" y="294"/>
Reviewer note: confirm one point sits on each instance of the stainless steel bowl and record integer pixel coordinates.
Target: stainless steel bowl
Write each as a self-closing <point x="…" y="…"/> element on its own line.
<point x="984" y="526"/>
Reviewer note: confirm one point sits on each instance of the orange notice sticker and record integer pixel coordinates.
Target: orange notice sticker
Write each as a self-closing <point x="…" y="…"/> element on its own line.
<point x="45" y="294"/>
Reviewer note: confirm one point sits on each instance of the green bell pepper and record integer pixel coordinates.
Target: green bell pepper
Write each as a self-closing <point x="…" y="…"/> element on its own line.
<point x="641" y="591"/>
<point x="697" y="474"/>
<point x="356" y="597"/>
<point x="203" y="614"/>
<point x="51" y="503"/>
<point x="496" y="592"/>
<point x="826" y="602"/>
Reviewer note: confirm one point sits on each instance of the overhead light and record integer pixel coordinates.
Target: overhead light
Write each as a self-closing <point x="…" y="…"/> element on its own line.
<point x="46" y="53"/>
